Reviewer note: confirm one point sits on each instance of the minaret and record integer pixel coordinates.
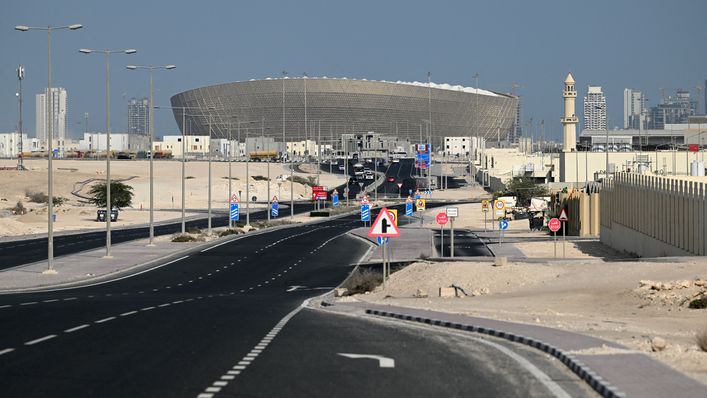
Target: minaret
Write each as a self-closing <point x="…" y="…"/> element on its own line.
<point x="569" y="121"/>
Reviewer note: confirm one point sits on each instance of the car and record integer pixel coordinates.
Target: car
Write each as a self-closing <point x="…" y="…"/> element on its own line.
<point x="341" y="167"/>
<point x="391" y="179"/>
<point x="101" y="215"/>
<point x="396" y="160"/>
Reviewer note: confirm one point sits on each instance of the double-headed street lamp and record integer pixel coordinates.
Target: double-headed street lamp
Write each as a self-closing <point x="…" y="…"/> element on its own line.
<point x="151" y="68"/>
<point x="109" y="208"/>
<point x="50" y="182"/>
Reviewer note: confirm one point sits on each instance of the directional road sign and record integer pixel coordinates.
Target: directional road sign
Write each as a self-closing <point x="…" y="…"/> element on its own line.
<point x="381" y="240"/>
<point x="503" y="225"/>
<point x="384" y="226"/>
<point x="365" y="212"/>
<point x="554" y="224"/>
<point x="234" y="213"/>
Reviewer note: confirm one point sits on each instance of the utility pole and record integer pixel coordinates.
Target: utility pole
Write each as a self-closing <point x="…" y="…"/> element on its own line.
<point x="20" y="161"/>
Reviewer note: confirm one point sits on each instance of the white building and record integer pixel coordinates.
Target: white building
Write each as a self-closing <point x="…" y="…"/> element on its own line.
<point x="634" y="103"/>
<point x="59" y="109"/>
<point x="10" y="144"/>
<point x="457" y="146"/>
<point x="195" y="145"/>
<point x="594" y="109"/>
<point x="119" y="142"/>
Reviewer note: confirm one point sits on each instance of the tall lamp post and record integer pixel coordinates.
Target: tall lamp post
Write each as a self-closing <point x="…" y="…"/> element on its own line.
<point x="50" y="180"/>
<point x="109" y="208"/>
<point x="151" y="68"/>
<point x="20" y="161"/>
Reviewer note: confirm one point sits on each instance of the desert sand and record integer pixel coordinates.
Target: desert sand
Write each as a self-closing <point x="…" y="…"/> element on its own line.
<point x="70" y="175"/>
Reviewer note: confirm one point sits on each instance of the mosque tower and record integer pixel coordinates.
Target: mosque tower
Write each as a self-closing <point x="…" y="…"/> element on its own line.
<point x="569" y="121"/>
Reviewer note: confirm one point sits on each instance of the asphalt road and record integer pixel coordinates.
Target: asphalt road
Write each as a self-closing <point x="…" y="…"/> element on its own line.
<point x="466" y="243"/>
<point x="222" y="322"/>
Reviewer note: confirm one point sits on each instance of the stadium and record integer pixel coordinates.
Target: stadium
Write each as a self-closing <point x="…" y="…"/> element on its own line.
<point x="338" y="106"/>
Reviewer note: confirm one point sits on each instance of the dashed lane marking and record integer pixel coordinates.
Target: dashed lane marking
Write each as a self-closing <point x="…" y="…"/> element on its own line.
<point x="128" y="313"/>
<point x="6" y="351"/>
<point x="110" y="318"/>
<point x="41" y="339"/>
<point x="74" y="329"/>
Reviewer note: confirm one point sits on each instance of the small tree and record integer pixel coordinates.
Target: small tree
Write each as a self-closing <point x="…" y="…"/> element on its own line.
<point x="524" y="189"/>
<point x="121" y="195"/>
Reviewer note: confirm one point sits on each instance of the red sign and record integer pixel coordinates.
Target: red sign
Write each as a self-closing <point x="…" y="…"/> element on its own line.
<point x="400" y="185"/>
<point x="319" y="195"/>
<point x="318" y="188"/>
<point x="693" y="148"/>
<point x="563" y="215"/>
<point x="442" y="218"/>
<point x="554" y="224"/>
<point x="384" y="225"/>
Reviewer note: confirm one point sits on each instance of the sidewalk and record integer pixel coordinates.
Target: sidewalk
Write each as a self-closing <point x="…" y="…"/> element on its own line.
<point x="90" y="266"/>
<point x="609" y="368"/>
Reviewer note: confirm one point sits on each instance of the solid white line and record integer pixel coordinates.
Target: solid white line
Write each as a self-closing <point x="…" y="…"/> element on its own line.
<point x="110" y="318"/>
<point x="6" y="351"/>
<point x="128" y="313"/>
<point x="41" y="339"/>
<point x="85" y="325"/>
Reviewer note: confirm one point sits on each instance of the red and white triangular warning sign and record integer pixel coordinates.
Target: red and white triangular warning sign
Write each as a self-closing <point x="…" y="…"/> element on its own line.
<point x="384" y="226"/>
<point x="563" y="215"/>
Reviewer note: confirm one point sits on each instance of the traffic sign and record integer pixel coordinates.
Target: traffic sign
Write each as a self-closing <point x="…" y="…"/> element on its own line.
<point x="563" y="215"/>
<point x="274" y="199"/>
<point x="364" y="200"/>
<point x="503" y="224"/>
<point x="400" y="185"/>
<point x="275" y="209"/>
<point x="499" y="205"/>
<point x="234" y="198"/>
<point x="408" y="209"/>
<point x="554" y="224"/>
<point x="384" y="226"/>
<point x="417" y="194"/>
<point x="408" y="200"/>
<point x="441" y="218"/>
<point x="485" y="206"/>
<point x="234" y="213"/>
<point x="452" y="212"/>
<point x="335" y="199"/>
<point x="394" y="214"/>
<point x="365" y="212"/>
<point x="382" y="241"/>
<point x="420" y="204"/>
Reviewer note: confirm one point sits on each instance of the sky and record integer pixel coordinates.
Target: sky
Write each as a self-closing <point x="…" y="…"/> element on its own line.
<point x="642" y="44"/>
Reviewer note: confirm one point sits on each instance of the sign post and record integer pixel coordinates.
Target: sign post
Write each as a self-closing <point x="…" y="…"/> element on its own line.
<point x="441" y="220"/>
<point x="502" y="226"/>
<point x="554" y="226"/>
<point x="485" y="209"/>
<point x="452" y="213"/>
<point x="563" y="217"/>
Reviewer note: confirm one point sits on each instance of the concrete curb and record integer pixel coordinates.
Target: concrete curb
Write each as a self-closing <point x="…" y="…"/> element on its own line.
<point x="596" y="382"/>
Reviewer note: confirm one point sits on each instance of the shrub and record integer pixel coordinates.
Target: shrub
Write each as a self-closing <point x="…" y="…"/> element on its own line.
<point x="260" y="178"/>
<point x="698" y="303"/>
<point x="19" y="208"/>
<point x="226" y="178"/>
<point x="183" y="238"/>
<point x="229" y="232"/>
<point x="193" y="230"/>
<point x="701" y="339"/>
<point x="303" y="181"/>
<point x="121" y="195"/>
<point x="189" y="177"/>
<point x="41" y="197"/>
<point x="363" y="280"/>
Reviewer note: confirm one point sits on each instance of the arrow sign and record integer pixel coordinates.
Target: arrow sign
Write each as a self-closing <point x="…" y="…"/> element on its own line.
<point x="384" y="226"/>
<point x="503" y="224"/>
<point x="383" y="362"/>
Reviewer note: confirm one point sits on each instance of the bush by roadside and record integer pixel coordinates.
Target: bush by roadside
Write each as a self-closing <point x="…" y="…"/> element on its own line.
<point x="362" y="281"/>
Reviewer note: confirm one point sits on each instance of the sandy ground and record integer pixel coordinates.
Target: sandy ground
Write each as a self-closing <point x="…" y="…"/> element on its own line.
<point x="590" y="297"/>
<point x="68" y="174"/>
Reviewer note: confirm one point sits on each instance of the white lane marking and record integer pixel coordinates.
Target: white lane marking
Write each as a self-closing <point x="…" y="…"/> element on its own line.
<point x="228" y="377"/>
<point x="117" y="279"/>
<point x="110" y="318"/>
<point x="41" y="339"/>
<point x="239" y="367"/>
<point x="213" y="389"/>
<point x="6" y="351"/>
<point x="128" y="313"/>
<point x="8" y="305"/>
<point x="233" y="372"/>
<point x="164" y="305"/>
<point x="147" y="308"/>
<point x="29" y="303"/>
<point x="221" y="383"/>
<point x="71" y="330"/>
<point x="50" y="301"/>
<point x="177" y="302"/>
<point x="383" y="362"/>
<point x="205" y="396"/>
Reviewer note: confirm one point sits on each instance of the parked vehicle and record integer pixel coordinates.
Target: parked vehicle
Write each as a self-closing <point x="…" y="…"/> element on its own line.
<point x="101" y="214"/>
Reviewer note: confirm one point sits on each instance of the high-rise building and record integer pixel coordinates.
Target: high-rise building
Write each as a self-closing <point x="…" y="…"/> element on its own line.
<point x="634" y="104"/>
<point x="138" y="116"/>
<point x="672" y="110"/>
<point x="704" y="104"/>
<point x="594" y="109"/>
<point x="516" y="130"/>
<point x="59" y="109"/>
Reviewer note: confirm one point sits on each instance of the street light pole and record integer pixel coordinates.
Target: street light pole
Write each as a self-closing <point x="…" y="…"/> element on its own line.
<point x="109" y="207"/>
<point x="50" y="178"/>
<point x="150" y="69"/>
<point x="209" y="194"/>
<point x="184" y="157"/>
<point x="20" y="160"/>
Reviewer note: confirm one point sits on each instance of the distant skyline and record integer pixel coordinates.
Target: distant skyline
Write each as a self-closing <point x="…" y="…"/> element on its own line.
<point x="643" y="45"/>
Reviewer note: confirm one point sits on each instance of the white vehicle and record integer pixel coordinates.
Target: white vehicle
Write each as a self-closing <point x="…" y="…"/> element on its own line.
<point x="369" y="175"/>
<point x="341" y="167"/>
<point x="358" y="170"/>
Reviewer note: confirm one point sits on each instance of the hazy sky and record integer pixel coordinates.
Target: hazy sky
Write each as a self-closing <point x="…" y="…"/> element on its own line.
<point x="644" y="44"/>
